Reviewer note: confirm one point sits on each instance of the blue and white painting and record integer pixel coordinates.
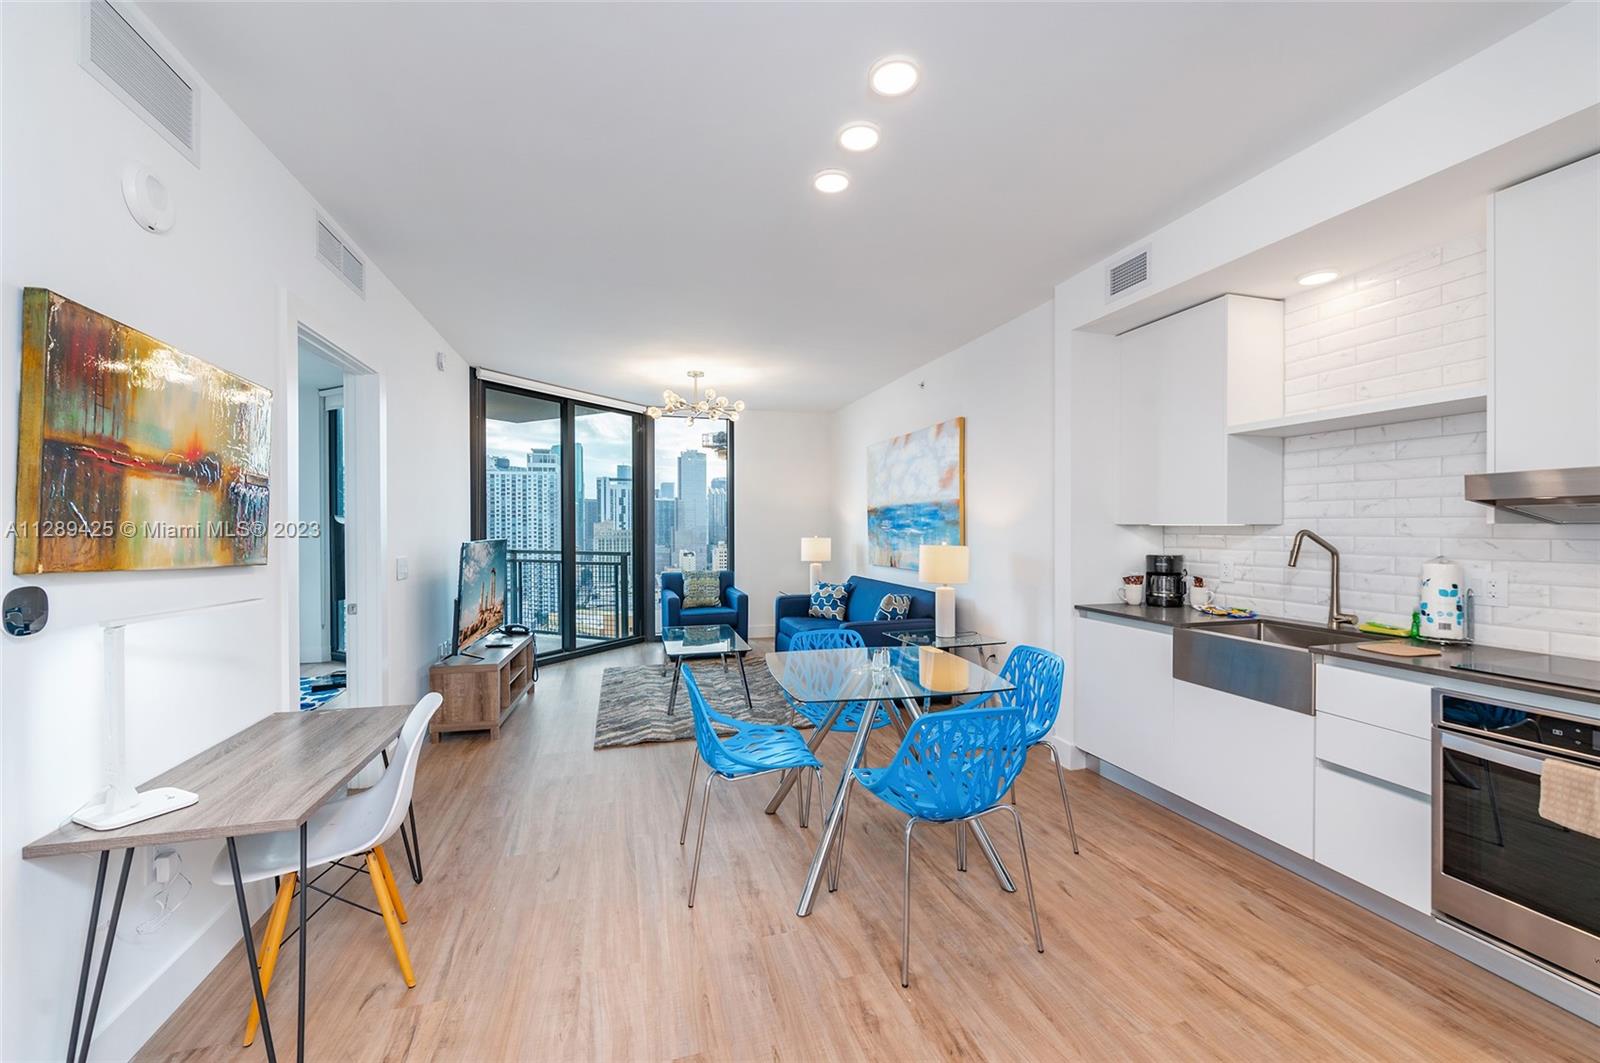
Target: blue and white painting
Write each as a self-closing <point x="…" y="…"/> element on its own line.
<point x="916" y="493"/>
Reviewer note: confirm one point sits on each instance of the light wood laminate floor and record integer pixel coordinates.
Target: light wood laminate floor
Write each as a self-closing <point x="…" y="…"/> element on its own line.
<point x="552" y="926"/>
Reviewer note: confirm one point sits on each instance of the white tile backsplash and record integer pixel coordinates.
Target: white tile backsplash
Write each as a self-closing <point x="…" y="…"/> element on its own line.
<point x="1413" y="324"/>
<point x="1390" y="497"/>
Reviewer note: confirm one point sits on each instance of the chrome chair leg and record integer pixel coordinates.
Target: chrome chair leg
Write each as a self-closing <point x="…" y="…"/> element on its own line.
<point x="805" y="799"/>
<point x="1061" y="780"/>
<point x="822" y="808"/>
<point x="838" y="846"/>
<point x="1027" y="878"/>
<point x="688" y="799"/>
<point x="961" y="846"/>
<point x="905" y="924"/>
<point x="700" y="839"/>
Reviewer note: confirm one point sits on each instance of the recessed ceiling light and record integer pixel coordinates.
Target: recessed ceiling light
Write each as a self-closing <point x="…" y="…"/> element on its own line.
<point x="894" y="76"/>
<point x="858" y="136"/>
<point x="831" y="181"/>
<point x="1319" y="276"/>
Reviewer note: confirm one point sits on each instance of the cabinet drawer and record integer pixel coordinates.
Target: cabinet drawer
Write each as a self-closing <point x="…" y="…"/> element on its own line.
<point x="1375" y="834"/>
<point x="1383" y="701"/>
<point x="1376" y="751"/>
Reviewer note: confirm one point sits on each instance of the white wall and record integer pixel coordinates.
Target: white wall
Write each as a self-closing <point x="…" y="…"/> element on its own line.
<point x="783" y="490"/>
<point x="1412" y="324"/>
<point x="1001" y="383"/>
<point x="219" y="286"/>
<point x="1390" y="497"/>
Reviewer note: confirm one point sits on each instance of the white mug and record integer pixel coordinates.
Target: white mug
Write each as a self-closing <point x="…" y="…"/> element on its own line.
<point x="1133" y="593"/>
<point x="1200" y="597"/>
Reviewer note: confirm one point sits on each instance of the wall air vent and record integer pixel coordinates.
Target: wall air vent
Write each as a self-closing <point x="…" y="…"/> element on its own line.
<point x="1132" y="272"/>
<point x="153" y="85"/>
<point x="334" y="253"/>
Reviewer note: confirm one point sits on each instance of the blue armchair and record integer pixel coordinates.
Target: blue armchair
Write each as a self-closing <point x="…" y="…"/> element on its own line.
<point x="734" y="610"/>
<point x="792" y="613"/>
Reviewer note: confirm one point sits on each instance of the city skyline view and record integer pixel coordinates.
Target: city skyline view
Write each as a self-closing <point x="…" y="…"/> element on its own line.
<point x="524" y="493"/>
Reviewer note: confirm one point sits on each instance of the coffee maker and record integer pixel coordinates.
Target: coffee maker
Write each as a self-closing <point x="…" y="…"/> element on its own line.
<point x="1163" y="579"/>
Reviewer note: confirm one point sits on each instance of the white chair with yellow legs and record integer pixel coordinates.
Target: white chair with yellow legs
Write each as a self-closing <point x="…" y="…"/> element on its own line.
<point x="354" y="825"/>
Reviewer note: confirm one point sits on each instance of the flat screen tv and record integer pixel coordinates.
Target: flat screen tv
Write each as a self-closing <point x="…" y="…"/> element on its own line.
<point x="480" y="591"/>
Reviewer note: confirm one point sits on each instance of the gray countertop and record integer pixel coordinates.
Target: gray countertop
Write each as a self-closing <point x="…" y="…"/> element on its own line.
<point x="1170" y="616"/>
<point x="1440" y="667"/>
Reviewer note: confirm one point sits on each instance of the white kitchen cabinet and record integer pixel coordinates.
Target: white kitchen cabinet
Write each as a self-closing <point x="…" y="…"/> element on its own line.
<point x="1123" y="695"/>
<point x="1382" y="699"/>
<point x="1376" y="833"/>
<point x="1544" y="379"/>
<point x="1182" y="381"/>
<point x="1374" y="781"/>
<point x="1246" y="761"/>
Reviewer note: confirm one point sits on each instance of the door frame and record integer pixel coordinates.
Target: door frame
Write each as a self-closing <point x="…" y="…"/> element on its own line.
<point x="366" y="504"/>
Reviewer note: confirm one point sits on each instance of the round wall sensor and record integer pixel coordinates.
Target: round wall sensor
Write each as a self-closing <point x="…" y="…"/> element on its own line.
<point x="147" y="198"/>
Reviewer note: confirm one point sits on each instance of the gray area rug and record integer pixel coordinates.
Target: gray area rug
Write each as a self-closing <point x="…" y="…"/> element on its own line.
<point x="633" y="701"/>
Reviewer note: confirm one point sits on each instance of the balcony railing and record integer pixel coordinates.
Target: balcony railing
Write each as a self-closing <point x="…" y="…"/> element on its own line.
<point x="604" y="588"/>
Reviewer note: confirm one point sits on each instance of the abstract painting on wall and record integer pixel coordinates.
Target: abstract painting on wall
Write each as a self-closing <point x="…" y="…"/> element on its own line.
<point x="916" y="493"/>
<point x="131" y="455"/>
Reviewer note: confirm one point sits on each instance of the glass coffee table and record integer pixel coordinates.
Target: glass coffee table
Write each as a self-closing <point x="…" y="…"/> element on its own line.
<point x="961" y="640"/>
<point x="703" y="640"/>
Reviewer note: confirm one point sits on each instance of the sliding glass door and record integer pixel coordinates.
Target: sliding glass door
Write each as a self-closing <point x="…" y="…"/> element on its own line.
<point x="555" y="479"/>
<point x="603" y="442"/>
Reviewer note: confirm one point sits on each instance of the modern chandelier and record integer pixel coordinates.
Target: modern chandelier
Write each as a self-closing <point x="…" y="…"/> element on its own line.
<point x="710" y="406"/>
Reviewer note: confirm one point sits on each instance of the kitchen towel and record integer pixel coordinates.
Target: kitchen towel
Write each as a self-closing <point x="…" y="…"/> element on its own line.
<point x="1569" y="794"/>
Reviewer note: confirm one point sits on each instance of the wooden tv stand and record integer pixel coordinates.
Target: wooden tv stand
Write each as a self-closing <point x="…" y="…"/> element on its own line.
<point x="480" y="694"/>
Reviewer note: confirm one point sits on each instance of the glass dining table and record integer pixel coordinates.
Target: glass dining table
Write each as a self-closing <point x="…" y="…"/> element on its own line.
<point x="904" y="682"/>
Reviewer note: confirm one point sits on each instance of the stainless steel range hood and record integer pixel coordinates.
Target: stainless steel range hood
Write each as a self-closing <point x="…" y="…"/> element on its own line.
<point x="1555" y="496"/>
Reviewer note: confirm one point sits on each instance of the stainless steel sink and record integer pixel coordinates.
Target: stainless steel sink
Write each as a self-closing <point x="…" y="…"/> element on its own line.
<point x="1263" y="660"/>
<point x="1289" y="633"/>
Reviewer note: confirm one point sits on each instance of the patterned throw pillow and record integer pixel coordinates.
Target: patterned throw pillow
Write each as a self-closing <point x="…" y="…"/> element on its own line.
<point x="828" y="600"/>
<point x="701" y="589"/>
<point x="894" y="607"/>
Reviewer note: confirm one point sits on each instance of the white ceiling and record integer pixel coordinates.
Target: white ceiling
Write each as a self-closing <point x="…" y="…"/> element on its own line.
<point x="606" y="196"/>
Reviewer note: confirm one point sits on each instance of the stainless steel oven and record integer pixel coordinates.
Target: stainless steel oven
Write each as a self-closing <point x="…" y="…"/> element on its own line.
<point x="1497" y="866"/>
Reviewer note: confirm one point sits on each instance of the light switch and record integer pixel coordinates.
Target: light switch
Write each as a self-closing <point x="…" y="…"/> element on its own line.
<point x="402" y="568"/>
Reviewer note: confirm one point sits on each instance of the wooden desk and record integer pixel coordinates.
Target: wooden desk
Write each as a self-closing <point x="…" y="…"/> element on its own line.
<point x="269" y="777"/>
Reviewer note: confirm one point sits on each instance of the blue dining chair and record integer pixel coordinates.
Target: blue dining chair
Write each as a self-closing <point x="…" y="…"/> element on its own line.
<point x="750" y="749"/>
<point x="954" y="767"/>
<point x="817" y="712"/>
<point x="1037" y="677"/>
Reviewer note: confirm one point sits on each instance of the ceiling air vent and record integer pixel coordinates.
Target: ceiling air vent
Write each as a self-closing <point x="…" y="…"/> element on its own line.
<point x="141" y="76"/>
<point x="1132" y="272"/>
<point x="334" y="253"/>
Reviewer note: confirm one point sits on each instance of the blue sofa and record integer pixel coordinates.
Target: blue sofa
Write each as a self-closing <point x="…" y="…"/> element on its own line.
<point x="734" y="610"/>
<point x="792" y="613"/>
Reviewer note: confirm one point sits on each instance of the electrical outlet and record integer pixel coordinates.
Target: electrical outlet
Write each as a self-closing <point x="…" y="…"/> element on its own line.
<point x="402" y="568"/>
<point x="1228" y="571"/>
<point x="1493" y="590"/>
<point x="163" y="867"/>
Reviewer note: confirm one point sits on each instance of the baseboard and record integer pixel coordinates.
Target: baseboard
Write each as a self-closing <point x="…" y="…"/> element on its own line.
<point x="763" y="631"/>
<point x="1497" y="959"/>
<point x="1072" y="758"/>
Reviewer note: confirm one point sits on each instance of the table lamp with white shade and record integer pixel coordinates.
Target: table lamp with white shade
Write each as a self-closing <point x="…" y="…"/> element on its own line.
<point x="943" y="565"/>
<point x="816" y="549"/>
